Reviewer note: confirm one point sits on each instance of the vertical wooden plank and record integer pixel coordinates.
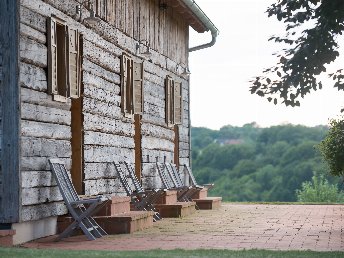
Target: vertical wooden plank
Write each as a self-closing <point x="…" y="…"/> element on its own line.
<point x="130" y="18"/>
<point x="151" y="23"/>
<point x="176" y="145"/>
<point x="10" y="189"/>
<point x="156" y="25"/>
<point x="162" y="29"/>
<point x="77" y="146"/>
<point x="136" y="19"/>
<point x="138" y="147"/>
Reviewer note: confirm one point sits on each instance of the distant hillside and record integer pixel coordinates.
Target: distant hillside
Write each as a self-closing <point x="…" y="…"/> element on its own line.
<point x="249" y="163"/>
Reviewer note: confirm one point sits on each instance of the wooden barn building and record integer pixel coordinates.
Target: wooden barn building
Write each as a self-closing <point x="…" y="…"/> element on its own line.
<point x="89" y="82"/>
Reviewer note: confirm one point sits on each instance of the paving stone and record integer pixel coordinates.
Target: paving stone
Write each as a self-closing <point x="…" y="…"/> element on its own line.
<point x="233" y="226"/>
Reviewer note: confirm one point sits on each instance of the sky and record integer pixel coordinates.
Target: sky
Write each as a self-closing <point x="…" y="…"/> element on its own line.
<point x="220" y="75"/>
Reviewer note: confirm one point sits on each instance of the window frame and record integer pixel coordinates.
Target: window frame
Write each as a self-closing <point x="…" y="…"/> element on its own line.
<point x="63" y="44"/>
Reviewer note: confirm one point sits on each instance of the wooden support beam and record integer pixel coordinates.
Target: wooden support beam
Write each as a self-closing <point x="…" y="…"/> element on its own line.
<point x="10" y="121"/>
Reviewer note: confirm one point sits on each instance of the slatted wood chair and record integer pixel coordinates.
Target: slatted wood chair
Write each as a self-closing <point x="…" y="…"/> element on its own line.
<point x="141" y="199"/>
<point x="192" y="179"/>
<point x="80" y="209"/>
<point x="171" y="183"/>
<point x="187" y="191"/>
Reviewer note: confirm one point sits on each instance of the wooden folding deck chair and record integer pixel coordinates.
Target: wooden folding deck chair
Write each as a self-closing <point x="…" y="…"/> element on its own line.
<point x="192" y="179"/>
<point x="80" y="209"/>
<point x="141" y="199"/>
<point x="170" y="183"/>
<point x="187" y="191"/>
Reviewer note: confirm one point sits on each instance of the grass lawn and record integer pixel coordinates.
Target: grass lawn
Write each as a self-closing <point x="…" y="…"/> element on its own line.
<point x="25" y="252"/>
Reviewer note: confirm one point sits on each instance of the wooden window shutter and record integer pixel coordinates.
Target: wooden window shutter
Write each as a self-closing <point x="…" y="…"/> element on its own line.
<point x="52" y="56"/>
<point x="169" y="100"/>
<point x="126" y="84"/>
<point x="73" y="63"/>
<point x="138" y="88"/>
<point x="178" y="103"/>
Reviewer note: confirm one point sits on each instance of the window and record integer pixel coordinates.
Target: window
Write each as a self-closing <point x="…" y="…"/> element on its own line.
<point x="63" y="60"/>
<point x="173" y="101"/>
<point x="131" y="86"/>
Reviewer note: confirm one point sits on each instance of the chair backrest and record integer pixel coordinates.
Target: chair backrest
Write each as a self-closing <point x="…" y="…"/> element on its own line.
<point x="123" y="178"/>
<point x="175" y="177"/>
<point x="134" y="179"/>
<point x="165" y="179"/>
<point x="192" y="179"/>
<point x="63" y="181"/>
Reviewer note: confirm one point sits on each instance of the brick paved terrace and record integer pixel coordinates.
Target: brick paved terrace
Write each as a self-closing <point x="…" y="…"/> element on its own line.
<point x="233" y="226"/>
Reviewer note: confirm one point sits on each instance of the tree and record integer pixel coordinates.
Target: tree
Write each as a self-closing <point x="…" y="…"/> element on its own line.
<point x="332" y="147"/>
<point x="312" y="28"/>
<point x="319" y="190"/>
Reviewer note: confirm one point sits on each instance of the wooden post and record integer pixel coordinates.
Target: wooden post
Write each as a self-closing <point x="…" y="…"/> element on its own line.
<point x="137" y="140"/>
<point x="10" y="181"/>
<point x="176" y="145"/>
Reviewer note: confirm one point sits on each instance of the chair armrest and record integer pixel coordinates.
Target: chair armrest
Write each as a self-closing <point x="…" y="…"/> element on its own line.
<point x="99" y="198"/>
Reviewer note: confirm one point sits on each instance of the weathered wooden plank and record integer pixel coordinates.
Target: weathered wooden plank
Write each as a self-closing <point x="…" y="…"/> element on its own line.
<point x="41" y="98"/>
<point x="107" y="154"/>
<point x="157" y="131"/>
<point x="104" y="186"/>
<point x="37" y="179"/>
<point x="184" y="153"/>
<point x="10" y="118"/>
<point x="155" y="90"/>
<point x="108" y="125"/>
<point x="99" y="71"/>
<point x="40" y="211"/>
<point x="154" y="110"/>
<point x="101" y="57"/>
<point x="33" y="34"/>
<point x="40" y="163"/>
<point x="153" y="78"/>
<point x="185" y="161"/>
<point x="147" y="118"/>
<point x="33" y="52"/>
<point x="45" y="130"/>
<point x="157" y="101"/>
<point x="33" y="77"/>
<point x="37" y="195"/>
<point x="153" y="155"/>
<point x="41" y="147"/>
<point x="96" y="138"/>
<point x="102" y="95"/>
<point x="101" y="108"/>
<point x="153" y="143"/>
<point x="33" y="19"/>
<point x="99" y="170"/>
<point x="184" y="145"/>
<point x="45" y="114"/>
<point x="98" y="82"/>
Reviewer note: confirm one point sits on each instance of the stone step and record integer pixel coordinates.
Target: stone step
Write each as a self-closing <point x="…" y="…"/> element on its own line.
<point x="117" y="205"/>
<point x="176" y="210"/>
<point x="169" y="197"/>
<point x="123" y="223"/>
<point x="6" y="237"/>
<point x="208" y="203"/>
<point x="200" y="194"/>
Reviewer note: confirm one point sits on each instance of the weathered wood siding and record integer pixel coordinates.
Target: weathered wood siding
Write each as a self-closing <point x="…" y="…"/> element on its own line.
<point x="107" y="135"/>
<point x="165" y="30"/>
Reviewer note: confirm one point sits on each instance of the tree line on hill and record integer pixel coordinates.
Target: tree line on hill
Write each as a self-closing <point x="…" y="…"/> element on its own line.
<point x="250" y="163"/>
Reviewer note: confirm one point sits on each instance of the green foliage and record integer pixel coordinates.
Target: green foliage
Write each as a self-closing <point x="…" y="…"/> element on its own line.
<point x="332" y="147"/>
<point x="257" y="164"/>
<point x="310" y="43"/>
<point x="319" y="190"/>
